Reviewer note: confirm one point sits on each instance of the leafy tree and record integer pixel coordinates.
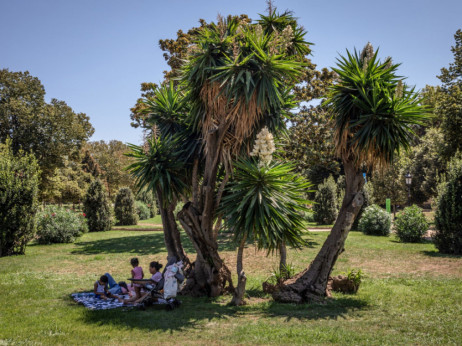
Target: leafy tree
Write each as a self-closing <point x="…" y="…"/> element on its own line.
<point x="390" y="183"/>
<point x="48" y="130"/>
<point x="96" y="207"/>
<point x="19" y="179"/>
<point x="449" y="105"/>
<point x="310" y="144"/>
<point x="448" y="217"/>
<point x="112" y="161"/>
<point x="373" y="115"/>
<point x="124" y="207"/>
<point x="326" y="206"/>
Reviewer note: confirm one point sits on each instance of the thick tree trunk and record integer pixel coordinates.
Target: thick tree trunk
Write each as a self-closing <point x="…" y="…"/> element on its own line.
<point x="311" y="284"/>
<point x="238" y="297"/>
<point x="209" y="276"/>
<point x="171" y="233"/>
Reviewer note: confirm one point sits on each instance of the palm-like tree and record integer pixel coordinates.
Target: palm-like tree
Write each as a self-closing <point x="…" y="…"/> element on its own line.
<point x="163" y="163"/>
<point x="374" y="114"/>
<point x="265" y="204"/>
<point x="238" y="80"/>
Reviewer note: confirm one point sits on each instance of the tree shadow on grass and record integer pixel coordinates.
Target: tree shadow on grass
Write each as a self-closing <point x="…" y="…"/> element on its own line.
<point x="195" y="312"/>
<point x="436" y="253"/>
<point x="145" y="244"/>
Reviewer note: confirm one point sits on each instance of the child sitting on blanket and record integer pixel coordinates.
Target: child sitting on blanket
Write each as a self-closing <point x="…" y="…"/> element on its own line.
<point x="154" y="269"/>
<point x="101" y="291"/>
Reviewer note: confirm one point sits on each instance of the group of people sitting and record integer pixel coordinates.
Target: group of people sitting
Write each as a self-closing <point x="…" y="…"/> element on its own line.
<point x="106" y="287"/>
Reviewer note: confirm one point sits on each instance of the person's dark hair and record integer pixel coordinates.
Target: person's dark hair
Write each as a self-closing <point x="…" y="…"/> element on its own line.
<point x="123" y="284"/>
<point x="104" y="279"/>
<point x="134" y="262"/>
<point x="156" y="265"/>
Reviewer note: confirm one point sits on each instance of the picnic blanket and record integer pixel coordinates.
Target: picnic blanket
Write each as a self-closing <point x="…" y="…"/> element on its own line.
<point x="89" y="300"/>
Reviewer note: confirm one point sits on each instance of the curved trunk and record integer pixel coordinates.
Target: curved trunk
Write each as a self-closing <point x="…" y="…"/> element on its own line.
<point x="238" y="298"/>
<point x="311" y="284"/>
<point x="171" y="233"/>
<point x="209" y="275"/>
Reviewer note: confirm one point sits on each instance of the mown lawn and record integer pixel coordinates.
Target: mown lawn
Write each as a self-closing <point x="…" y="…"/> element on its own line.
<point x="411" y="295"/>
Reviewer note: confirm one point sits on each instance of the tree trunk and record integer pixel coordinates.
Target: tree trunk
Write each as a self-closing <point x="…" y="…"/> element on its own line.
<point x="209" y="276"/>
<point x="171" y="233"/>
<point x="238" y="298"/>
<point x="311" y="284"/>
<point x="283" y="258"/>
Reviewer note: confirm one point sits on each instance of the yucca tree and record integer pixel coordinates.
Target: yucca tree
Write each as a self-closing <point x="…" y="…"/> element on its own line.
<point x="162" y="163"/>
<point x="374" y="115"/>
<point x="238" y="80"/>
<point x="264" y="203"/>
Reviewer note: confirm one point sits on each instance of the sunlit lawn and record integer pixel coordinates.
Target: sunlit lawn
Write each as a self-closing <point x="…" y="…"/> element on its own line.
<point x="411" y="295"/>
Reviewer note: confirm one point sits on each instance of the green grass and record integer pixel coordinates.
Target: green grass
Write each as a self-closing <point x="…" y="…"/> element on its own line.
<point x="153" y="224"/>
<point x="411" y="295"/>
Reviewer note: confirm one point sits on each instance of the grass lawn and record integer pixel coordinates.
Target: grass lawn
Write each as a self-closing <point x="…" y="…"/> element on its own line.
<point x="411" y="295"/>
<point x="152" y="224"/>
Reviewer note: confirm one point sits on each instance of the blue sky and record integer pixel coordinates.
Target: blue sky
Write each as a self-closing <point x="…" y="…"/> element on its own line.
<point x="94" y="54"/>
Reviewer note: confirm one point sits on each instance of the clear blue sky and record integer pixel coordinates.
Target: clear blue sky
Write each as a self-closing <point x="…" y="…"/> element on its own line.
<point x="94" y="54"/>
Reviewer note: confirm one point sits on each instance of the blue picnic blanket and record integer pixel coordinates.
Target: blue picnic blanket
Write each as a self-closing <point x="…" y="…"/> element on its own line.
<point x="89" y="300"/>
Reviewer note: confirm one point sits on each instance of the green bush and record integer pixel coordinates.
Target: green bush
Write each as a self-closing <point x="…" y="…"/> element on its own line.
<point x="411" y="225"/>
<point x="148" y="198"/>
<point x="368" y="192"/>
<point x="448" y="216"/>
<point x="60" y="225"/>
<point x="19" y="179"/>
<point x="375" y="221"/>
<point x="96" y="207"/>
<point x="124" y="208"/>
<point x="326" y="207"/>
<point x="142" y="210"/>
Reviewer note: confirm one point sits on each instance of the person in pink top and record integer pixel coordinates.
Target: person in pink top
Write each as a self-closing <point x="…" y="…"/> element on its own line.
<point x="137" y="273"/>
<point x="154" y="269"/>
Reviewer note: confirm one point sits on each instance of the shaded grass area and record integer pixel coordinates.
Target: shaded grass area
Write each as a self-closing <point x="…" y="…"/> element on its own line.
<point x="410" y="295"/>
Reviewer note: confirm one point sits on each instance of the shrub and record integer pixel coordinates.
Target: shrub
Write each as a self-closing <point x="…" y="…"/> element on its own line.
<point x="19" y="178"/>
<point x="124" y="207"/>
<point x="59" y="225"/>
<point x="142" y="210"/>
<point x="410" y="225"/>
<point x="368" y="192"/>
<point x="326" y="209"/>
<point x="448" y="217"/>
<point x="148" y="198"/>
<point x="96" y="207"/>
<point x="375" y="221"/>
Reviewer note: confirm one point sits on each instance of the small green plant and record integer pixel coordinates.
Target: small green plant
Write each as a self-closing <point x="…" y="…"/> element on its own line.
<point x="59" y="225"/>
<point x="375" y="221"/>
<point x="278" y="276"/>
<point x="411" y="225"/>
<point x="355" y="276"/>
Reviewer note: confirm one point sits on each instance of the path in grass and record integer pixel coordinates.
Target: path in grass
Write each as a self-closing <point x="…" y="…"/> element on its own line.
<point x="411" y="295"/>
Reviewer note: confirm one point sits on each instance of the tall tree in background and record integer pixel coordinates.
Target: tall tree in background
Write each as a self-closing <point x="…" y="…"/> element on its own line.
<point x="449" y="106"/>
<point x="52" y="132"/>
<point x="374" y="114"/>
<point x="112" y="161"/>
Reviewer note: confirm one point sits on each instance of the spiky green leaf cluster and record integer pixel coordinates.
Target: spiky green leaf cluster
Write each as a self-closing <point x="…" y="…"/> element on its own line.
<point x="266" y="204"/>
<point x="374" y="112"/>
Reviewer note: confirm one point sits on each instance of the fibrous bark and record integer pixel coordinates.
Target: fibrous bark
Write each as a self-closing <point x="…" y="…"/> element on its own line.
<point x="311" y="284"/>
<point x="238" y="297"/>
